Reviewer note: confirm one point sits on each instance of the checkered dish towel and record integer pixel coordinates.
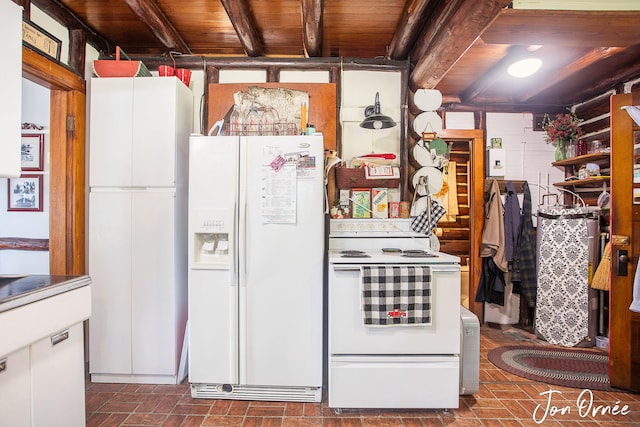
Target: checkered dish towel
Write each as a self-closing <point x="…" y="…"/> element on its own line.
<point x="427" y="220"/>
<point x="396" y="295"/>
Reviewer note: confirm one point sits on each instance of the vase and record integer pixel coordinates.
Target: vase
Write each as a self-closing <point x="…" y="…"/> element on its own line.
<point x="561" y="150"/>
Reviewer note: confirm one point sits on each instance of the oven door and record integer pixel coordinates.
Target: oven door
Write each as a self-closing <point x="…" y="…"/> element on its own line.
<point x="348" y="335"/>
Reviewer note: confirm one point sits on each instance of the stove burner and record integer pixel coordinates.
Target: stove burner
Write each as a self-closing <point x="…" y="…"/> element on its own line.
<point x="352" y="252"/>
<point x="391" y="250"/>
<point x="417" y="253"/>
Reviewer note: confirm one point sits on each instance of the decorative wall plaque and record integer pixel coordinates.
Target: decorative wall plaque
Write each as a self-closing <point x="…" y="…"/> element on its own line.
<point x="37" y="38"/>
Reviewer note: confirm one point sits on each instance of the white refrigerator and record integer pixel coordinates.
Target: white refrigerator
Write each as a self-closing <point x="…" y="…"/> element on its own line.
<point x="256" y="254"/>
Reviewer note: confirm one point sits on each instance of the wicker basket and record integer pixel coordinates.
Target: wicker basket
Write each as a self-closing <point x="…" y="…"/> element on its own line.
<point x="356" y="178"/>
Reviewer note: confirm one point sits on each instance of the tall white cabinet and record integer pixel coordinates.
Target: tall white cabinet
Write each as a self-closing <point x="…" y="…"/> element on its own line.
<point x="11" y="87"/>
<point x="138" y="159"/>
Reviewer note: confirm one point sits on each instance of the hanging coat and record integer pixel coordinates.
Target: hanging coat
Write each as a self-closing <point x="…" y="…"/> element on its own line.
<point x="491" y="286"/>
<point x="524" y="270"/>
<point x="494" y="263"/>
<point x="511" y="221"/>
<point x="493" y="229"/>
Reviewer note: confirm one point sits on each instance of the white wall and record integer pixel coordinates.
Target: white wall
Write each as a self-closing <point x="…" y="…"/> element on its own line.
<point x="54" y="28"/>
<point x="526" y="154"/>
<point x="35" y="109"/>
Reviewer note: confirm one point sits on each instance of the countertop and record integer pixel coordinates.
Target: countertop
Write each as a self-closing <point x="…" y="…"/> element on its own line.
<point x="19" y="291"/>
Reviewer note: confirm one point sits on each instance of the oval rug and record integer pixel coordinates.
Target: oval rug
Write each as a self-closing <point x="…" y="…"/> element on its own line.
<point x="566" y="367"/>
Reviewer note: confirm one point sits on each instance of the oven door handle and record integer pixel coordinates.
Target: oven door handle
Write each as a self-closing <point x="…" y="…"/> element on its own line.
<point x="337" y="268"/>
<point x="444" y="268"/>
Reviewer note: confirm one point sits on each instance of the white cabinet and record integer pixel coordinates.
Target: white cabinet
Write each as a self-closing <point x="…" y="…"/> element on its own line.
<point x="139" y="129"/>
<point x="11" y="88"/>
<point x="139" y="134"/>
<point x="42" y="381"/>
<point x="58" y="359"/>
<point x="15" y="388"/>
<point x="31" y="378"/>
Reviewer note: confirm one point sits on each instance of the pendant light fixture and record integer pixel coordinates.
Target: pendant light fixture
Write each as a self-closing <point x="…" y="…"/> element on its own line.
<point x="373" y="119"/>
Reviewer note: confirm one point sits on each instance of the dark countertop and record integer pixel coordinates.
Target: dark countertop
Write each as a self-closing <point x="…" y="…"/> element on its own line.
<point x="18" y="291"/>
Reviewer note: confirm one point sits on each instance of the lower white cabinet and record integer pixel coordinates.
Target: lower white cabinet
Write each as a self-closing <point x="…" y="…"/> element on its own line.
<point x="15" y="388"/>
<point x="58" y="359"/>
<point x="138" y="270"/>
<point x="42" y="379"/>
<point x="43" y="384"/>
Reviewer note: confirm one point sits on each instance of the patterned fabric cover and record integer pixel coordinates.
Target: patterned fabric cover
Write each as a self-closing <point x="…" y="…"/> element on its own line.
<point x="563" y="266"/>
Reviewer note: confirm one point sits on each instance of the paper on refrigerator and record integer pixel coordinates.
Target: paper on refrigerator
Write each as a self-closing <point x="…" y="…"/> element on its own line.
<point x="278" y="187"/>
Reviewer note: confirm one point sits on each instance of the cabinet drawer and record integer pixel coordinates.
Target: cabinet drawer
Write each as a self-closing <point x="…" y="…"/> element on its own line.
<point x="394" y="382"/>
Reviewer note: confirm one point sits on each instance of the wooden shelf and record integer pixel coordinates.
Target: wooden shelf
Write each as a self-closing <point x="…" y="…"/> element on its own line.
<point x="600" y="156"/>
<point x="594" y="181"/>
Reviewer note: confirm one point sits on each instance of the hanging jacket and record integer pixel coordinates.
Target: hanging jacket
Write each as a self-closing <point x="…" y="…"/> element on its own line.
<point x="491" y="286"/>
<point x="524" y="274"/>
<point x="493" y="229"/>
<point x="511" y="221"/>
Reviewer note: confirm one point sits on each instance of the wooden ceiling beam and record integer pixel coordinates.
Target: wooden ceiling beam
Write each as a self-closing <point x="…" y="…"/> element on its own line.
<point x="409" y="29"/>
<point x="569" y="70"/>
<point x="241" y="16"/>
<point x="577" y="28"/>
<point x="493" y="75"/>
<point x="148" y="12"/>
<point x="626" y="71"/>
<point x="455" y="36"/>
<point x="436" y="21"/>
<point x="312" y="11"/>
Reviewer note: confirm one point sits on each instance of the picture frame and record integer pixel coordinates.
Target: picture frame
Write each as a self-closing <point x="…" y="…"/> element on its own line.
<point x="25" y="193"/>
<point x="39" y="39"/>
<point x="496" y="143"/>
<point x="32" y="152"/>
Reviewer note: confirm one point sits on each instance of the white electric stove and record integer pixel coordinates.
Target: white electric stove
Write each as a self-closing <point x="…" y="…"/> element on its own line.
<point x="393" y="366"/>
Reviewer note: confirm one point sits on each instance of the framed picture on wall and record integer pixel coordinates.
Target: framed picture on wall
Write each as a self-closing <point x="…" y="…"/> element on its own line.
<point x="25" y="193"/>
<point x="32" y="152"/>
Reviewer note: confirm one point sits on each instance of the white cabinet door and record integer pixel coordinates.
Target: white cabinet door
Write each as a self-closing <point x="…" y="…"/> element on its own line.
<point x="154" y="132"/>
<point x="110" y="266"/>
<point x="58" y="360"/>
<point x="111" y="129"/>
<point x="15" y="388"/>
<point x="133" y="130"/>
<point x="11" y="88"/>
<point x="153" y="277"/>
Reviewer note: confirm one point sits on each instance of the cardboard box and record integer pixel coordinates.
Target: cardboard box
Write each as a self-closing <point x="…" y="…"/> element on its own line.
<point x="361" y="203"/>
<point x="379" y="202"/>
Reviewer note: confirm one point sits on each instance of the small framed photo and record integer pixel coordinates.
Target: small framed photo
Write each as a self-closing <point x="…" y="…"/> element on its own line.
<point x="25" y="193"/>
<point x="32" y="152"/>
<point x="496" y="142"/>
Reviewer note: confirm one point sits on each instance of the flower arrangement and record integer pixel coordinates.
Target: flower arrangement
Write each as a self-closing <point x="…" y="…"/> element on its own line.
<point x="564" y="127"/>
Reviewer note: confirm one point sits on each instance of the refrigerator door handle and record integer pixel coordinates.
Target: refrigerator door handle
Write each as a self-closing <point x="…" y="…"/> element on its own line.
<point x="244" y="237"/>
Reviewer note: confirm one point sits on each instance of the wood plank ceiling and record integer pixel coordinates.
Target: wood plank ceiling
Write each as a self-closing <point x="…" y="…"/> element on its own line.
<point x="460" y="47"/>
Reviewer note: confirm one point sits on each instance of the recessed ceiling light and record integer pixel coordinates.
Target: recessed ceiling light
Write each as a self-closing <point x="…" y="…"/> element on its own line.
<point x="524" y="67"/>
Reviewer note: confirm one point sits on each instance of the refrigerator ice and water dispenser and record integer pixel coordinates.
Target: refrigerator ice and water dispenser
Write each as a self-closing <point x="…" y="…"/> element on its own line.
<point x="212" y="230"/>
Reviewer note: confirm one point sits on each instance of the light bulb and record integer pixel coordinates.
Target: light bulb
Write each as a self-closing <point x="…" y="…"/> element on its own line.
<point x="524" y="67"/>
